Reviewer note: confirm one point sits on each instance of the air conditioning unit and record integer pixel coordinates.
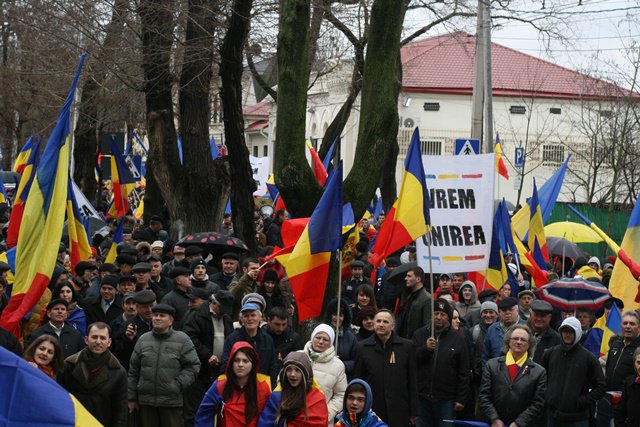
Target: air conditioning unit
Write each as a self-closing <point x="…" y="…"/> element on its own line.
<point x="408" y="122"/>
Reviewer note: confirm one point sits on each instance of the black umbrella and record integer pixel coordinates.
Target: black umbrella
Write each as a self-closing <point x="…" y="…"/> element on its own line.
<point x="95" y="224"/>
<point x="399" y="273"/>
<point x="562" y="247"/>
<point x="214" y="243"/>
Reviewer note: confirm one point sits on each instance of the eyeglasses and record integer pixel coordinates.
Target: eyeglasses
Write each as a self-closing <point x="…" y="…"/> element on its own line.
<point x="519" y="339"/>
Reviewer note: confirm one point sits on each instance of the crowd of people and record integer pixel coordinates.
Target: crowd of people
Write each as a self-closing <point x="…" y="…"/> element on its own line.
<point x="168" y="335"/>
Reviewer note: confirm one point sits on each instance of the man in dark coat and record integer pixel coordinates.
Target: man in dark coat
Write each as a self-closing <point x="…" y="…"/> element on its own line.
<point x="620" y="363"/>
<point x="574" y="378"/>
<point x="230" y="263"/>
<point x="107" y="306"/>
<point x="125" y="339"/>
<point x="539" y="321"/>
<point x="151" y="233"/>
<point x="387" y="363"/>
<point x="274" y="236"/>
<point x="284" y="338"/>
<point x="95" y="377"/>
<point x="69" y="338"/>
<point x="443" y="368"/>
<point x="178" y="298"/>
<point x="415" y="310"/>
<point x="208" y="326"/>
<point x="10" y="342"/>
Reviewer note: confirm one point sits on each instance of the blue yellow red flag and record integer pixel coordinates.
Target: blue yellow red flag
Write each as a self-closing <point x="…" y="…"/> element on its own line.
<point x="21" y="195"/>
<point x="537" y="241"/>
<point x="42" y="221"/>
<point x="548" y="195"/>
<point x="79" y="248"/>
<point x="326" y="162"/>
<point x="308" y="264"/>
<point x="23" y="156"/>
<point x="408" y="218"/>
<point x="122" y="181"/>
<point x="118" y="237"/>
<point x="623" y="284"/>
<point x="501" y="167"/>
<point x="603" y="330"/>
<point x="496" y="273"/>
<point x="23" y="384"/>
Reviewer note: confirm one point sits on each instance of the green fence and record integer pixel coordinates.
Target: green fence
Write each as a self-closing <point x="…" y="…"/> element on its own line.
<point x="614" y="228"/>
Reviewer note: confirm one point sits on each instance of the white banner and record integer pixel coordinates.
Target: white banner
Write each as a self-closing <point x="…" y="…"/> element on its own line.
<point x="260" y="168"/>
<point x="461" y="198"/>
<point x="84" y="206"/>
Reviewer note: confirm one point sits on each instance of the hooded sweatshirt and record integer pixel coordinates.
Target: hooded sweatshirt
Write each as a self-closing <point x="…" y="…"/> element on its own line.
<point x="367" y="418"/>
<point x="575" y="380"/>
<point x="314" y="414"/>
<point x="473" y="305"/>
<point x="232" y="412"/>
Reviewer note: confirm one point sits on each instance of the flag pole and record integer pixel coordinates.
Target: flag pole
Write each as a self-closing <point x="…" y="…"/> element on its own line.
<point x="338" y="307"/>
<point x="431" y="281"/>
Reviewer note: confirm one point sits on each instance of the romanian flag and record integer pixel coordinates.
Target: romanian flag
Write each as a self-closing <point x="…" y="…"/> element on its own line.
<point x="23" y="385"/>
<point x="42" y="221"/>
<point x="548" y="195"/>
<point x="603" y="330"/>
<point x="118" y="237"/>
<point x="278" y="203"/>
<point x="79" y="248"/>
<point x="122" y="181"/>
<point x="500" y="166"/>
<point x="3" y="192"/>
<point x="496" y="273"/>
<point x="308" y="264"/>
<point x="624" y="283"/>
<point x="537" y="241"/>
<point x="23" y="156"/>
<point x="318" y="167"/>
<point x="326" y="162"/>
<point x="408" y="218"/>
<point x="21" y="194"/>
<point x="139" y="210"/>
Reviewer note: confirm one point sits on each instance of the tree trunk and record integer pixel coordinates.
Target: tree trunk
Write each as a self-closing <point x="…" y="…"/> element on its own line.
<point x="294" y="178"/>
<point x="379" y="108"/>
<point x="85" y="152"/>
<point x="231" y="68"/>
<point x="203" y="211"/>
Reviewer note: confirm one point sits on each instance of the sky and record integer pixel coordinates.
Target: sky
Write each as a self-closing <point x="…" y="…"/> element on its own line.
<point x="596" y="38"/>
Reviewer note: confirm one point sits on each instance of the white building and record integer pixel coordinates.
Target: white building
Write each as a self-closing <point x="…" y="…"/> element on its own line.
<point x="537" y="105"/>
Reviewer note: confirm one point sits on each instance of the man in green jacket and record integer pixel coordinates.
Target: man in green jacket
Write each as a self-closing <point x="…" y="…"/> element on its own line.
<point x="164" y="362"/>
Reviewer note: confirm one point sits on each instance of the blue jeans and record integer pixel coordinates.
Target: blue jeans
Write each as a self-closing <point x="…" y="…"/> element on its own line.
<point x="553" y="423"/>
<point x="435" y="414"/>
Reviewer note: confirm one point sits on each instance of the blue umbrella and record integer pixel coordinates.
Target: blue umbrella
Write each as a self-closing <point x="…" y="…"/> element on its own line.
<point x="567" y="294"/>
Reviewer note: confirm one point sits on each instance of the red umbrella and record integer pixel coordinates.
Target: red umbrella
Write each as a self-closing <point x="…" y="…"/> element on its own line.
<point x="567" y="294"/>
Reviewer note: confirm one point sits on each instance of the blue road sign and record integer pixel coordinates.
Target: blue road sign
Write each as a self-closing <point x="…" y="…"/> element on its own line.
<point x="467" y="147"/>
<point x="519" y="160"/>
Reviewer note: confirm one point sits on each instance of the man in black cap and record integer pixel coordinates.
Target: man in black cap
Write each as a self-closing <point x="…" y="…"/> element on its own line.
<point x="125" y="264"/>
<point x="163" y="364"/>
<point x="69" y="338"/>
<point x="156" y="279"/>
<point x="128" y="312"/>
<point x="493" y="341"/>
<point x="539" y="321"/>
<point x="207" y="327"/>
<point x="386" y="291"/>
<point x="199" y="276"/>
<point x="84" y="272"/>
<point x="126" y="284"/>
<point x="125" y="339"/>
<point x="357" y="278"/>
<point x="230" y="263"/>
<point x="443" y="368"/>
<point x="178" y="298"/>
<point x="192" y="252"/>
<point x="107" y="306"/>
<point x="151" y="233"/>
<point x="105" y="269"/>
<point x="142" y="273"/>
<point x="197" y="297"/>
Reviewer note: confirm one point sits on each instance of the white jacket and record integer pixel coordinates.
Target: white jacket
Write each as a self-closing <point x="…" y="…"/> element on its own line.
<point x="328" y="371"/>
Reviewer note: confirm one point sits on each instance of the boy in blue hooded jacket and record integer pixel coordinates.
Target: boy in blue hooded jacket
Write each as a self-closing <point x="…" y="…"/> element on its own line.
<point x="356" y="410"/>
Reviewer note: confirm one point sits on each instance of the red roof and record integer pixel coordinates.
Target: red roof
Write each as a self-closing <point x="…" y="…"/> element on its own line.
<point x="261" y="109"/>
<point x="258" y="125"/>
<point x="445" y="64"/>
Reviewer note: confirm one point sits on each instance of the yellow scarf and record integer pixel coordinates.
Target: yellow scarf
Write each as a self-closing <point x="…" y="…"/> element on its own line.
<point x="511" y="361"/>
